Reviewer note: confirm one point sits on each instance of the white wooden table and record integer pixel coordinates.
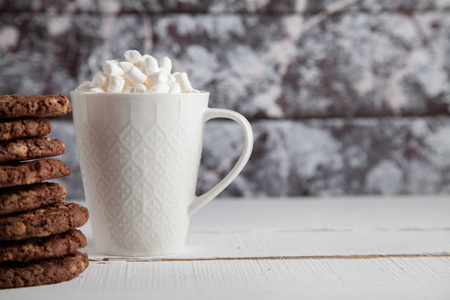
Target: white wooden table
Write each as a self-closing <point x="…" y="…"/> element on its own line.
<point x="347" y="248"/>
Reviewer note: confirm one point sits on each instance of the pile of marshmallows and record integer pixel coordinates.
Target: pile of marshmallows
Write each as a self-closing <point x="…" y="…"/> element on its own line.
<point x="138" y="74"/>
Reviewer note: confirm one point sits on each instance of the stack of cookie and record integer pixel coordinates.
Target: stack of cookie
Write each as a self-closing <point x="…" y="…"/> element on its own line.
<point x="38" y="239"/>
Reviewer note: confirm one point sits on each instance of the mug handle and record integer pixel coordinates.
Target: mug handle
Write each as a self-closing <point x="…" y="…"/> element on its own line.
<point x="213" y="113"/>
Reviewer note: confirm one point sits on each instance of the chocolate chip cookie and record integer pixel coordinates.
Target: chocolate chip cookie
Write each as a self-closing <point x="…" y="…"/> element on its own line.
<point x="44" y="221"/>
<point x="27" y="197"/>
<point x="23" y="128"/>
<point x="46" y="271"/>
<point x="32" y="172"/>
<point x="44" y="247"/>
<point x="26" y="149"/>
<point x="17" y="106"/>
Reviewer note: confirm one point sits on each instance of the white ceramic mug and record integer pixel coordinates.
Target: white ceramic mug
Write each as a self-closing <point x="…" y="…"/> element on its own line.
<point x="139" y="156"/>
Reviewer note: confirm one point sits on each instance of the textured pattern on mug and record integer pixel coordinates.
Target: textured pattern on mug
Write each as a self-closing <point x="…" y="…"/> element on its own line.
<point x="158" y="164"/>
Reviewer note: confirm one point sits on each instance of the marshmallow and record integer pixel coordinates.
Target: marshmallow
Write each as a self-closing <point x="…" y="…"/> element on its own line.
<point x="111" y="67"/>
<point x="175" y="88"/>
<point x="135" y="76"/>
<point x="127" y="85"/>
<point x="111" y="61"/>
<point x="142" y="69"/>
<point x="143" y="57"/>
<point x="170" y="83"/>
<point x="140" y="88"/>
<point x="153" y="78"/>
<point x="151" y="65"/>
<point x="158" y="88"/>
<point x="116" y="84"/>
<point x="100" y="79"/>
<point x="97" y="90"/>
<point x="138" y="74"/>
<point x="166" y="64"/>
<point x="132" y="56"/>
<point x="171" y="78"/>
<point x="194" y="91"/>
<point x="141" y="61"/>
<point x="84" y="87"/>
<point x="125" y="66"/>
<point x="183" y="81"/>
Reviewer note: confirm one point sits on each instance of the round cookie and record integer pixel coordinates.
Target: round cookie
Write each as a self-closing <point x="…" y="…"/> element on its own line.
<point x="23" y="198"/>
<point x="46" y="271"/>
<point x="25" y="149"/>
<point x="32" y="172"/>
<point x="24" y="128"/>
<point x="45" y="247"/>
<point x="16" y="106"/>
<point x="44" y="221"/>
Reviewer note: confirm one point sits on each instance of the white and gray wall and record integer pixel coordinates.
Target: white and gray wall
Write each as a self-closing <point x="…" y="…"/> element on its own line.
<point x="346" y="97"/>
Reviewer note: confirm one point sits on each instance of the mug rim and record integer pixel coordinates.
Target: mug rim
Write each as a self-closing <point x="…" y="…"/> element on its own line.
<point x="201" y="92"/>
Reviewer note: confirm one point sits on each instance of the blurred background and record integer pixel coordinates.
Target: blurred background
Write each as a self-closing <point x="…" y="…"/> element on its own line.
<point x="346" y="97"/>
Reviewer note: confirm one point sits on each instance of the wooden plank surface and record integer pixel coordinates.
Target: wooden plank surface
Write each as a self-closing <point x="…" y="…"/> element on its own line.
<point x="325" y="227"/>
<point x="349" y="213"/>
<point x="383" y="278"/>
<point x="369" y="248"/>
<point x="303" y="244"/>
